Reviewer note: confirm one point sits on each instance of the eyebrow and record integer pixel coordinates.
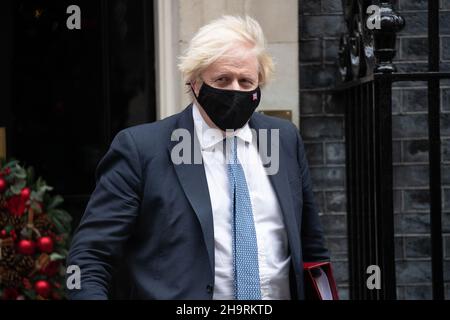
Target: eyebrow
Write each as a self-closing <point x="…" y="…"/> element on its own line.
<point x="244" y="75"/>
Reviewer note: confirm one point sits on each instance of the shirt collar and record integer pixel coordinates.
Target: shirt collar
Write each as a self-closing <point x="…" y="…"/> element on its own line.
<point x="208" y="136"/>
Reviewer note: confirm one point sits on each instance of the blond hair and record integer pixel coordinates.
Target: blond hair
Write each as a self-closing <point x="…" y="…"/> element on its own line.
<point x="220" y="36"/>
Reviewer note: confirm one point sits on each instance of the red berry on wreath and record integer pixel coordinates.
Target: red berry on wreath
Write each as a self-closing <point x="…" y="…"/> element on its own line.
<point x="25" y="193"/>
<point x="3" y="233"/>
<point x="2" y="185"/>
<point x="45" y="244"/>
<point x="42" y="288"/>
<point x="26" y="247"/>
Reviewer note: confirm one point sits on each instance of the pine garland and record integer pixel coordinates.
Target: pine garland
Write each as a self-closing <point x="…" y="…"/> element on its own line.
<point x="34" y="236"/>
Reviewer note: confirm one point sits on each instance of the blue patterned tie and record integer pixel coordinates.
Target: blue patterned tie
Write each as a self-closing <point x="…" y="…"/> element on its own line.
<point x="245" y="247"/>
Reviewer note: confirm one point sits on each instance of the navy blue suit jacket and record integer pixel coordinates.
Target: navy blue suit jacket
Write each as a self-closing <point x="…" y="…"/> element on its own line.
<point x="154" y="218"/>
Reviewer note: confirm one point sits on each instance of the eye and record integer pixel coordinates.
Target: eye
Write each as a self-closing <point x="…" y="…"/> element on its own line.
<point x="246" y="82"/>
<point x="221" y="79"/>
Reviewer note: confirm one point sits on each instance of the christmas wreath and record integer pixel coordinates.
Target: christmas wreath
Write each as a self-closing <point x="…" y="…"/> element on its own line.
<point x="34" y="236"/>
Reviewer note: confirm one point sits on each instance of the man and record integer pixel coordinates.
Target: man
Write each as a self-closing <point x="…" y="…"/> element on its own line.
<point x="224" y="227"/>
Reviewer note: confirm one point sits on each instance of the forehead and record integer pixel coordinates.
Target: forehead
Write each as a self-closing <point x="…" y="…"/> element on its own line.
<point x="239" y="60"/>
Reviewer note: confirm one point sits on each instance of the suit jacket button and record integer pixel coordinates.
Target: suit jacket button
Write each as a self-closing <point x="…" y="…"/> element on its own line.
<point x="209" y="288"/>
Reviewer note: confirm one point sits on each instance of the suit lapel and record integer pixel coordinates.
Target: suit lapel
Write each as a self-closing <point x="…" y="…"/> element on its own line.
<point x="192" y="178"/>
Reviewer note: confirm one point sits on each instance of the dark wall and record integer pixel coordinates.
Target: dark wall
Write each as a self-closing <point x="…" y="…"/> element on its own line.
<point x="322" y="126"/>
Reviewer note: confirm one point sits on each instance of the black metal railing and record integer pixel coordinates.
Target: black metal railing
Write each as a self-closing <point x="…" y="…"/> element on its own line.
<point x="368" y="74"/>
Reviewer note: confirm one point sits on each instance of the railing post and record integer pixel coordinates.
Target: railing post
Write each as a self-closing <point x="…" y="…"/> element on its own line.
<point x="384" y="188"/>
<point x="385" y="38"/>
<point x="434" y="136"/>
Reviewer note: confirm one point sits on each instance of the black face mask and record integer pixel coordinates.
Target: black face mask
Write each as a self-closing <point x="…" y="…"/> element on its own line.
<point x="228" y="109"/>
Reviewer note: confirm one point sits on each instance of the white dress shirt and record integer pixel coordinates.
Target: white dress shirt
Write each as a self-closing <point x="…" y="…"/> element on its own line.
<point x="273" y="257"/>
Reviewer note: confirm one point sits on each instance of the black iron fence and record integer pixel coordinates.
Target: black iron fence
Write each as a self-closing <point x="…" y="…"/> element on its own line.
<point x="368" y="74"/>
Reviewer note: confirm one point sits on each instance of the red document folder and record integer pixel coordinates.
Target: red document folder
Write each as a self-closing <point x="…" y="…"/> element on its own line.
<point x="319" y="281"/>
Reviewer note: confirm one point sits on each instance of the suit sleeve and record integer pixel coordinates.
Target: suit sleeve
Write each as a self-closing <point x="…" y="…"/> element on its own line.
<point x="109" y="217"/>
<point x="313" y="246"/>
